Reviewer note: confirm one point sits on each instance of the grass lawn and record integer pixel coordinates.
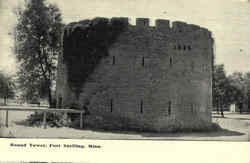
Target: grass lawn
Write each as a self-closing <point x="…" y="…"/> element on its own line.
<point x="236" y="127"/>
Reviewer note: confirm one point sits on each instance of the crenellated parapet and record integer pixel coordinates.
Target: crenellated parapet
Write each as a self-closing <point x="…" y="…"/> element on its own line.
<point x="162" y="24"/>
<point x="180" y="27"/>
<point x="142" y="22"/>
<point x="124" y="20"/>
<point x="177" y="28"/>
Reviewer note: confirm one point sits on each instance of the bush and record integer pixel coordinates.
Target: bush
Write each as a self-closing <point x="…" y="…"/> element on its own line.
<point x="52" y="120"/>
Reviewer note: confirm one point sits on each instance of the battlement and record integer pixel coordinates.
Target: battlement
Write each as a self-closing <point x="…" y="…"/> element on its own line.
<point x="205" y="32"/>
<point x="180" y="27"/>
<point x="123" y="20"/>
<point x="193" y="27"/>
<point x="160" y="25"/>
<point x="142" y="22"/>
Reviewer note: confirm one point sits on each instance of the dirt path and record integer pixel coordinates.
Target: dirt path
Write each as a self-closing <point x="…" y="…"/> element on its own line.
<point x="236" y="128"/>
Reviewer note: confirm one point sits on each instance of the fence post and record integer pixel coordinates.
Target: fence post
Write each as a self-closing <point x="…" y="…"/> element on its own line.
<point x="81" y="115"/>
<point x="6" y="118"/>
<point x="66" y="115"/>
<point x="44" y="120"/>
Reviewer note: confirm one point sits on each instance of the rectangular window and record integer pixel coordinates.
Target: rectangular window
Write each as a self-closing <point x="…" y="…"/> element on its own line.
<point x="111" y="105"/>
<point x="169" y="108"/>
<point x="143" y="61"/>
<point x="113" y="62"/>
<point x="141" y="106"/>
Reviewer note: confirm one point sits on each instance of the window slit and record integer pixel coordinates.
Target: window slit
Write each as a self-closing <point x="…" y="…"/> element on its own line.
<point x="169" y="108"/>
<point x="141" y="106"/>
<point x="111" y="105"/>
<point x="192" y="107"/>
<point x="113" y="62"/>
<point x="171" y="61"/>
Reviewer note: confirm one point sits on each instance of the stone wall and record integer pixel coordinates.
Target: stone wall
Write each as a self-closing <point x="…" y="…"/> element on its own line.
<point x="154" y="78"/>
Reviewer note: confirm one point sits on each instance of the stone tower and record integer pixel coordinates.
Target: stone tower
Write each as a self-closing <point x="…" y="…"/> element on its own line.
<point x="142" y="77"/>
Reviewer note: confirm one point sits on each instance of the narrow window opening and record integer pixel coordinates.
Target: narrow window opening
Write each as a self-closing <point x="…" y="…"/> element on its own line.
<point x="189" y="47"/>
<point x="179" y="47"/>
<point x="113" y="62"/>
<point x="192" y="107"/>
<point x="141" y="106"/>
<point x="184" y="48"/>
<point x="111" y="105"/>
<point x="170" y="61"/>
<point x="143" y="61"/>
<point x="169" y="108"/>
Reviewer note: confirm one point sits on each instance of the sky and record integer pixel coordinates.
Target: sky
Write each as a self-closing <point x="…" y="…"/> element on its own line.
<point x="228" y="20"/>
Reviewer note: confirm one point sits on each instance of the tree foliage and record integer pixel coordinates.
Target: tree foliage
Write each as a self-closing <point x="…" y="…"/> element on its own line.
<point x="7" y="86"/>
<point x="220" y="85"/>
<point x="237" y="82"/>
<point x="247" y="89"/>
<point x="37" y="45"/>
<point x="232" y="89"/>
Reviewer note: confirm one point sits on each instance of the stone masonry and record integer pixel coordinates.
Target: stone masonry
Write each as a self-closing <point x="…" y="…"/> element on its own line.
<point x="153" y="78"/>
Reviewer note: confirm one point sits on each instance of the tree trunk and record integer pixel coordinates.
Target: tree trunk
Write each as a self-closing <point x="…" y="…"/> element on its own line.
<point x="221" y="111"/>
<point x="5" y="100"/>
<point x="248" y="105"/>
<point x="50" y="97"/>
<point x="217" y="108"/>
<point x="240" y="107"/>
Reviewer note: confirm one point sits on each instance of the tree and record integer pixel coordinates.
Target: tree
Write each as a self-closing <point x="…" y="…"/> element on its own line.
<point x="37" y="45"/>
<point x="220" y="87"/>
<point x="247" y="89"/>
<point x="237" y="82"/>
<point x="6" y="87"/>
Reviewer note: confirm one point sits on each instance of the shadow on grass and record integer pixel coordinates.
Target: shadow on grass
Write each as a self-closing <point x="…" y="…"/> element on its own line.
<point x="221" y="132"/>
<point x="247" y="119"/>
<point x="218" y="132"/>
<point x="217" y="116"/>
<point x="23" y="123"/>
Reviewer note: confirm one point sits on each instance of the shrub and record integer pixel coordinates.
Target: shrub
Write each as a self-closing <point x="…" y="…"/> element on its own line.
<point x="52" y="119"/>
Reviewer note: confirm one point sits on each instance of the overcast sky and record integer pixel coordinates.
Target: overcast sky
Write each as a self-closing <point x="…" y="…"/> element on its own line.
<point x="229" y="20"/>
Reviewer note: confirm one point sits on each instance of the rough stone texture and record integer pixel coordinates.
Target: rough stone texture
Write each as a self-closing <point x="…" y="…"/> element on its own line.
<point x="161" y="79"/>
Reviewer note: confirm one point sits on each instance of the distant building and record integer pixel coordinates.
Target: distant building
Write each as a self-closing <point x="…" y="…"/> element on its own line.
<point x="156" y="78"/>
